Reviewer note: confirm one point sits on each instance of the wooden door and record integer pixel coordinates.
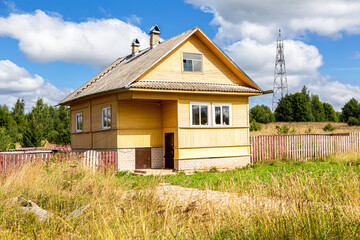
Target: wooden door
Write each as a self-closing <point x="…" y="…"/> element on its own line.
<point x="169" y="150"/>
<point x="142" y="158"/>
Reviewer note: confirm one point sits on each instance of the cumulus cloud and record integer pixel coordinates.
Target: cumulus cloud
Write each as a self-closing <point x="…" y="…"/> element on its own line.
<point x="17" y="82"/>
<point x="258" y="60"/>
<point x="46" y="37"/>
<point x="248" y="30"/>
<point x="16" y="79"/>
<point x="324" y="17"/>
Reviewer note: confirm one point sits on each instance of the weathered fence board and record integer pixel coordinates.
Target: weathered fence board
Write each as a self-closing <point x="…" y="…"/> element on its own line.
<point x="91" y="159"/>
<point x="302" y="147"/>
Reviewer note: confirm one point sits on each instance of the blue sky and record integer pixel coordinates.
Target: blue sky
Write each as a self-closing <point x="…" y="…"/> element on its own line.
<point x="49" y="48"/>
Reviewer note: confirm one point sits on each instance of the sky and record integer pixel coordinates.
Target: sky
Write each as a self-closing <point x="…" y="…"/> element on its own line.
<point x="50" y="48"/>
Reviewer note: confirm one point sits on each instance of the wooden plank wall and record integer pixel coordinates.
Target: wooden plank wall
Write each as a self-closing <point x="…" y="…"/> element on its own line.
<point x="302" y="147"/>
<point x="91" y="159"/>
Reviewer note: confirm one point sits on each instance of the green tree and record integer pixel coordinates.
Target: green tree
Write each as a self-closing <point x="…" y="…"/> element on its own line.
<point x="284" y="111"/>
<point x="19" y="107"/>
<point x="330" y="114"/>
<point x="301" y="108"/>
<point x="32" y="134"/>
<point x="350" y="109"/>
<point x="5" y="140"/>
<point x="317" y="109"/>
<point x="262" y="114"/>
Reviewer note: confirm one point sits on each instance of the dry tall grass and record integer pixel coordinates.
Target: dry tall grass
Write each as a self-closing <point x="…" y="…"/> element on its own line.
<point x="304" y="207"/>
<point x="303" y="128"/>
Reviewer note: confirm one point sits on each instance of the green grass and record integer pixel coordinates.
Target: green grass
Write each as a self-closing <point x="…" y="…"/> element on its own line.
<point x="325" y="193"/>
<point x="275" y="178"/>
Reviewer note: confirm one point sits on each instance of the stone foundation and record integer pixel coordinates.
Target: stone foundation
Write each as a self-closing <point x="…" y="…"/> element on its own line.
<point x="126" y="159"/>
<point x="157" y="158"/>
<point x="204" y="164"/>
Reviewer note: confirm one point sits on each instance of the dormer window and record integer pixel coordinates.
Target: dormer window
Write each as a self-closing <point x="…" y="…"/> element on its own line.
<point x="192" y="62"/>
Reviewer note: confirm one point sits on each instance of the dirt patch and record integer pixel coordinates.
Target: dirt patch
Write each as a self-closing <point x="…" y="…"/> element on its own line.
<point x="192" y="196"/>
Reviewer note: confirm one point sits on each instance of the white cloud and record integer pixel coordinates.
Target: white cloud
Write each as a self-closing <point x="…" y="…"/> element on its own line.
<point x="247" y="30"/>
<point x="324" y="17"/>
<point x="17" y="82"/>
<point x="258" y="61"/>
<point x="45" y="37"/>
<point x="16" y="79"/>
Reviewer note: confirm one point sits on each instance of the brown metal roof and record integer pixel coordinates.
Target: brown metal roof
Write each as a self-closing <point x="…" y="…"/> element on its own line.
<point x="194" y="86"/>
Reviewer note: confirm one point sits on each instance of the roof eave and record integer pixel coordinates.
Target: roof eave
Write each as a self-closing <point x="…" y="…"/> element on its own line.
<point x="92" y="95"/>
<point x="195" y="91"/>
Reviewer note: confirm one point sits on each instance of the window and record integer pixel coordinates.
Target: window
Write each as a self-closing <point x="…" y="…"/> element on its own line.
<point x="78" y="122"/>
<point x="222" y="114"/>
<point x="199" y="114"/>
<point x="192" y="62"/>
<point x="106" y="118"/>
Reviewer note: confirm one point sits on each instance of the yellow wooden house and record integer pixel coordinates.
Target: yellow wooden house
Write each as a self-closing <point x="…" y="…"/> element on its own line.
<point x="180" y="104"/>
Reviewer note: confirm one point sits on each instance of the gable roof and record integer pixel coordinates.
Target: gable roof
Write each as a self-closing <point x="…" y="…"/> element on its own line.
<point x="122" y="73"/>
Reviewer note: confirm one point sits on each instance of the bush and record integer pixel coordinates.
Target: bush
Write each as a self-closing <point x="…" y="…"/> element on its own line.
<point x="329" y="127"/>
<point x="308" y="131"/>
<point x="285" y="130"/>
<point x="262" y="114"/>
<point x="255" y="126"/>
<point x="353" y="121"/>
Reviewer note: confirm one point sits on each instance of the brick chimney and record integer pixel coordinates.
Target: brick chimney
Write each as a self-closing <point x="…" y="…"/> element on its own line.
<point x="154" y="36"/>
<point x="135" y="45"/>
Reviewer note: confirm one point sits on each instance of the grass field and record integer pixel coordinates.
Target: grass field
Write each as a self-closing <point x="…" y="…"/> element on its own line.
<point x="317" y="199"/>
<point x="303" y="128"/>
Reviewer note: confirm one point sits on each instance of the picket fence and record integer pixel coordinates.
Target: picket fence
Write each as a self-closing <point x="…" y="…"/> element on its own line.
<point x="302" y="147"/>
<point x="91" y="159"/>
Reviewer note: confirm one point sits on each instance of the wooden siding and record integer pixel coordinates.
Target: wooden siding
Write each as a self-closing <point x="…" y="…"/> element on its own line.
<point x="191" y="153"/>
<point x="93" y="136"/>
<point x="212" y="141"/>
<point x="140" y="124"/>
<point x="171" y="67"/>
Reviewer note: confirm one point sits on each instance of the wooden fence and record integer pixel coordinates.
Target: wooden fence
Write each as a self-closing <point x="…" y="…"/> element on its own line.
<point x="91" y="159"/>
<point x="302" y="147"/>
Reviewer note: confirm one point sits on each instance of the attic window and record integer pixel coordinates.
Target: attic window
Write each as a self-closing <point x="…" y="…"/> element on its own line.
<point x="192" y="62"/>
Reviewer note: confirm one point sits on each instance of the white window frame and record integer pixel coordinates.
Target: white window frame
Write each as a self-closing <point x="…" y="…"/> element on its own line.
<point x="201" y="61"/>
<point x="221" y="115"/>
<point x="76" y="122"/>
<point x="102" y="118"/>
<point x="208" y="117"/>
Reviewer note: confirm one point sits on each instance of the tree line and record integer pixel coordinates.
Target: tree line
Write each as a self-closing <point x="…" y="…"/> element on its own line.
<point x="305" y="107"/>
<point x="43" y="122"/>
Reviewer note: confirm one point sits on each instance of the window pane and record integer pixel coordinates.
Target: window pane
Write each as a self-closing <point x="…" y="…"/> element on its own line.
<point x="217" y="115"/>
<point x="226" y="115"/>
<point x="195" y="114"/>
<point x="197" y="66"/>
<point x="80" y="122"/>
<point x="108" y="117"/>
<point x="204" y="115"/>
<point x="187" y="65"/>
<point x="192" y="56"/>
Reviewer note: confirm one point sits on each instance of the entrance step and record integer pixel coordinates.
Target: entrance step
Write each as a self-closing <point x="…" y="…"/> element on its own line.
<point x="158" y="172"/>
